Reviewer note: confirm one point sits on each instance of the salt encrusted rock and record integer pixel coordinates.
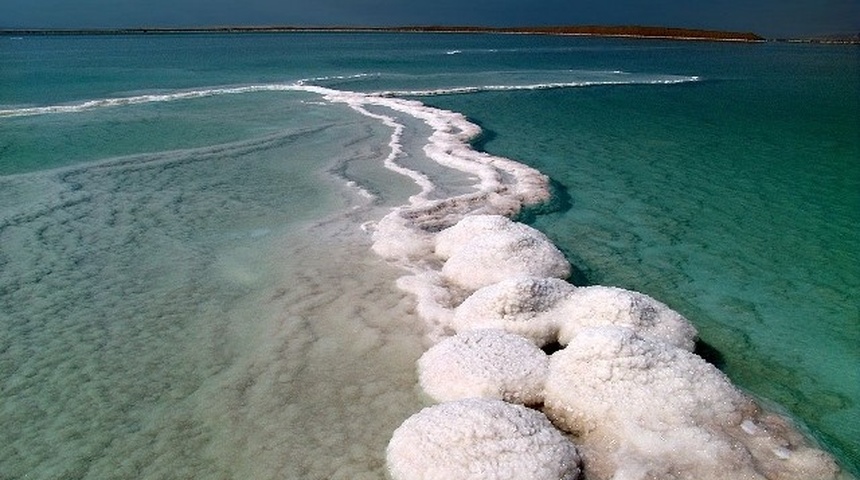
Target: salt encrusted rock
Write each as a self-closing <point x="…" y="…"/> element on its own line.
<point x="485" y="249"/>
<point x="644" y="409"/>
<point x="521" y="305"/>
<point x="480" y="439"/>
<point x="486" y="364"/>
<point x="599" y="305"/>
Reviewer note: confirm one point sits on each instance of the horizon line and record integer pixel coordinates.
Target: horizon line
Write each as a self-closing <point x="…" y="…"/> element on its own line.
<point x="593" y="30"/>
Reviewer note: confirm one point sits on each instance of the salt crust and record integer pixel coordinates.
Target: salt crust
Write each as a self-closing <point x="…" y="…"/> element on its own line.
<point x="655" y="421"/>
<point x="486" y="364"/>
<point x="485" y="249"/>
<point x="649" y="318"/>
<point x="480" y="439"/>
<point x="547" y="310"/>
<point x="523" y="305"/>
<point x="433" y="301"/>
<point x="645" y="410"/>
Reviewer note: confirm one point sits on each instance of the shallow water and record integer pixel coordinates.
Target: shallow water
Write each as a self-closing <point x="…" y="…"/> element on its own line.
<point x="185" y="313"/>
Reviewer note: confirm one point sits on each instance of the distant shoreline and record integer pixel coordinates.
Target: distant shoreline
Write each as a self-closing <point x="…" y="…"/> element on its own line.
<point x="623" y="31"/>
<point x="631" y="31"/>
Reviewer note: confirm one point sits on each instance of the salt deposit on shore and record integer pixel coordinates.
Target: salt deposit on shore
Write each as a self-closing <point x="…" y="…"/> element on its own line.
<point x="650" y="408"/>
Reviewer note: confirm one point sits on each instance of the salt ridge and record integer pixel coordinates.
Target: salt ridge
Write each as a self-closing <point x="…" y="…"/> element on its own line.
<point x="143" y="99"/>
<point x="307" y="85"/>
<point x="535" y="86"/>
<point x="689" y="396"/>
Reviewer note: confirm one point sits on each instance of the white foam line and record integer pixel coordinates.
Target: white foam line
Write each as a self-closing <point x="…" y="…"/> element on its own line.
<point x="313" y="80"/>
<point x="167" y="97"/>
<point x="361" y="190"/>
<point x="536" y="86"/>
<point x="396" y="146"/>
<point x="306" y="85"/>
<point x="448" y="145"/>
<point x="142" y="99"/>
<point x="503" y="186"/>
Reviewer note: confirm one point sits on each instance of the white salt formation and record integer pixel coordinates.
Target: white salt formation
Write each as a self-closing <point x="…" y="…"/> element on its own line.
<point x="643" y="409"/>
<point x="502" y="186"/>
<point x="547" y="310"/>
<point x="395" y="238"/>
<point x="433" y="301"/>
<point x="477" y="251"/>
<point x="451" y="240"/>
<point x="485" y="249"/>
<point x="480" y="439"/>
<point x="598" y="305"/>
<point x="643" y="406"/>
<point x="486" y="364"/>
<point x="523" y="305"/>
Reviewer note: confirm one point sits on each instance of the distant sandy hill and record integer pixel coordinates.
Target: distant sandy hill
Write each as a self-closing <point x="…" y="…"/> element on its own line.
<point x="618" y="31"/>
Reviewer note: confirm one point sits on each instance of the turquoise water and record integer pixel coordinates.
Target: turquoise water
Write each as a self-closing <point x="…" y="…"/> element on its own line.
<point x="734" y="199"/>
<point x="187" y="289"/>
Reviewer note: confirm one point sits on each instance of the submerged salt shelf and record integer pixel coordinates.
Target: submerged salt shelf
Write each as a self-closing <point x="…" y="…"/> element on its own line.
<point x="206" y="312"/>
<point x="464" y="251"/>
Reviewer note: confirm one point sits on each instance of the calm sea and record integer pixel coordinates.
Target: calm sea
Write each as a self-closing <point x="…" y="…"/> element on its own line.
<point x="186" y="282"/>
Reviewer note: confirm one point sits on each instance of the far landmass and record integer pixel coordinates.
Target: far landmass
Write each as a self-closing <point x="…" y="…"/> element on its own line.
<point x="635" y="31"/>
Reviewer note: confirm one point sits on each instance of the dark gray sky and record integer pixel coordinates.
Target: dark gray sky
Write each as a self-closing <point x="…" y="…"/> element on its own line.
<point x="770" y="18"/>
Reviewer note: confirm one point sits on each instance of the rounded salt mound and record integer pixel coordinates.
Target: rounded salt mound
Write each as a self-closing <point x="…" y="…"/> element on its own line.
<point x="645" y="409"/>
<point x="452" y="239"/>
<point x="485" y="364"/>
<point x="485" y="249"/>
<point x="600" y="306"/>
<point x="521" y="305"/>
<point x="480" y="439"/>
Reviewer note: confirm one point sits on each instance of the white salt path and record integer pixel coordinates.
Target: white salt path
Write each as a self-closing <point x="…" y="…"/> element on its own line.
<point x="641" y="404"/>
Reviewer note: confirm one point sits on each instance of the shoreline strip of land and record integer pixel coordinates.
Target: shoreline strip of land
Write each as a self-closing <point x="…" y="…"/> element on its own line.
<point x="630" y="31"/>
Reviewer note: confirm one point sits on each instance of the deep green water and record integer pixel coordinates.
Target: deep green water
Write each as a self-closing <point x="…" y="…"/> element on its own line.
<point x="735" y="199"/>
<point x="169" y="305"/>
